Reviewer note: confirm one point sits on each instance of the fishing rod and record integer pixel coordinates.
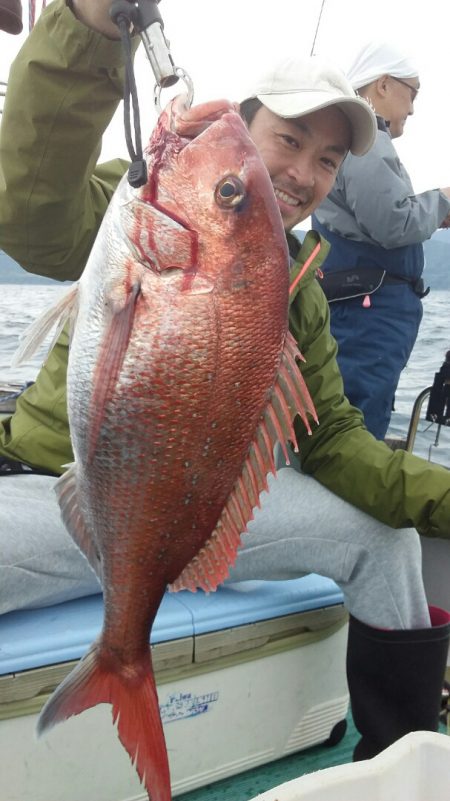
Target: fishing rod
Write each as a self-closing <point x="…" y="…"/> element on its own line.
<point x="317" y="28"/>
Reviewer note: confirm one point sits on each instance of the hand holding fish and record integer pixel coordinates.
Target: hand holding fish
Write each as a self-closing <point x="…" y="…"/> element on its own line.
<point x="446" y="221"/>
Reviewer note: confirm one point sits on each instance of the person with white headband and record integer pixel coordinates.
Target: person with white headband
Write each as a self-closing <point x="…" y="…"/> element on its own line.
<point x="376" y="225"/>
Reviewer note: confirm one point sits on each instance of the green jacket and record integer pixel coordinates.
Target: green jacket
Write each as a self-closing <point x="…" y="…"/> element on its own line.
<point x="63" y="90"/>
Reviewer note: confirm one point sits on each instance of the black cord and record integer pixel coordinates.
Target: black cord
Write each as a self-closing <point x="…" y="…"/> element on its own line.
<point x="122" y="13"/>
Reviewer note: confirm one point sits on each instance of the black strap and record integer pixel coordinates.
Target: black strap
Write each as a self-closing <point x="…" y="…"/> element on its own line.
<point x="10" y="467"/>
<point x="347" y="284"/>
<point x="358" y="282"/>
<point x="124" y="13"/>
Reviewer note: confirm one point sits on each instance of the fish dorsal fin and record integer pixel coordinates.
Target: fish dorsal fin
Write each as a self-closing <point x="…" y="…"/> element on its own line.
<point x="290" y="397"/>
<point x="66" y="489"/>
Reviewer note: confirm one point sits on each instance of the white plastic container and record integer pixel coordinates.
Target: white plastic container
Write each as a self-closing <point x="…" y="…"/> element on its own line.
<point x="415" y="768"/>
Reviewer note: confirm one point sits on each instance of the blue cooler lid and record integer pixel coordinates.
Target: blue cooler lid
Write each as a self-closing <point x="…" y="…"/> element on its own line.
<point x="251" y="601"/>
<point x="38" y="637"/>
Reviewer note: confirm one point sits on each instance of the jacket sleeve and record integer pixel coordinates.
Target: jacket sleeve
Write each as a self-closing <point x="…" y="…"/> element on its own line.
<point x="63" y="89"/>
<point x="378" y="193"/>
<point x="396" y="487"/>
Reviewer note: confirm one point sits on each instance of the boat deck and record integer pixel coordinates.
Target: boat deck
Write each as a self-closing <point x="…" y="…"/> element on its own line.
<point x="260" y="779"/>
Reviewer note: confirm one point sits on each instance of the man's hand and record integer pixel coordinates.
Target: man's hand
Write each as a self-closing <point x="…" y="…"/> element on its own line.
<point x="95" y="14"/>
<point x="446" y="222"/>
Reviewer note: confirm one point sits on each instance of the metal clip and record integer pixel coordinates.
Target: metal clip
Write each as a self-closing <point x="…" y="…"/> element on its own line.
<point x="180" y="73"/>
<point x="158" y="53"/>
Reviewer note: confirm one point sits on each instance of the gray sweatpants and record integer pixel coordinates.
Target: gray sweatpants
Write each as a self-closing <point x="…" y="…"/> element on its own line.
<point x="300" y="528"/>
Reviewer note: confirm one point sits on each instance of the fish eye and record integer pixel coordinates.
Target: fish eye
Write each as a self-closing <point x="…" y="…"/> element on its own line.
<point x="230" y="192"/>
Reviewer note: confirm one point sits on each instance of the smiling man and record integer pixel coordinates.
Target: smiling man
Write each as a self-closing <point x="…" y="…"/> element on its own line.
<point x="302" y="157"/>
<point x="304" y="118"/>
<point x="376" y="225"/>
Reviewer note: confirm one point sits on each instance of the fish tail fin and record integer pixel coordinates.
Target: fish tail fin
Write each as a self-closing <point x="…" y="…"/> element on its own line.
<point x="135" y="709"/>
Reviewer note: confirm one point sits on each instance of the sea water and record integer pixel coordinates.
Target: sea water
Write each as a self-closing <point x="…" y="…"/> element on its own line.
<point x="20" y="304"/>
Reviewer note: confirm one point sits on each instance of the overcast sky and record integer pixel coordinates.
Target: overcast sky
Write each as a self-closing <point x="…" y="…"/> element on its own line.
<point x="223" y="43"/>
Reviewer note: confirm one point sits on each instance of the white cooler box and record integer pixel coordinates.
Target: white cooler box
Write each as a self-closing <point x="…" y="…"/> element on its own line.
<point x="415" y="768"/>
<point x="245" y="675"/>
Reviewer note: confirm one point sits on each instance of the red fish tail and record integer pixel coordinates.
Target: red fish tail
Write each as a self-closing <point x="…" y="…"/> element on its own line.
<point x="135" y="709"/>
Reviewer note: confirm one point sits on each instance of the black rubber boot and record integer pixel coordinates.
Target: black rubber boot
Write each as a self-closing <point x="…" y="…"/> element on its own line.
<point x="395" y="680"/>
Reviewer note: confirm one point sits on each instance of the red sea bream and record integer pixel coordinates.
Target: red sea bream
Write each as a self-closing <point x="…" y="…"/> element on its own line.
<point x="182" y="376"/>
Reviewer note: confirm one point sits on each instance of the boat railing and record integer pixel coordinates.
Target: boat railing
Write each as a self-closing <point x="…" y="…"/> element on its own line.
<point x="415" y="418"/>
<point x="438" y="409"/>
<point x="437" y="413"/>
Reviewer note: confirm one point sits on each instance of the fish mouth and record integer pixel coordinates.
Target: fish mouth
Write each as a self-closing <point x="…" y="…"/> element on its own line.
<point x="188" y="122"/>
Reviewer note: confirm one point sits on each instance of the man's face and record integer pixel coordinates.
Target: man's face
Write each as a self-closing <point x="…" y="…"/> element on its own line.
<point x="398" y="102"/>
<point x="302" y="156"/>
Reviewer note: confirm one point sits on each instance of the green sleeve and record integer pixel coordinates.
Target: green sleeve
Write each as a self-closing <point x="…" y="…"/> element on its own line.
<point x="63" y="89"/>
<point x="396" y="487"/>
<point x="38" y="431"/>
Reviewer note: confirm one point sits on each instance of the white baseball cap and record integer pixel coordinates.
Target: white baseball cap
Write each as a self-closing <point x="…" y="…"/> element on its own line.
<point x="295" y="87"/>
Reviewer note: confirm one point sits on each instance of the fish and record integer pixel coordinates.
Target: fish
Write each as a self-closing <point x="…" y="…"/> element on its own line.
<point x="182" y="377"/>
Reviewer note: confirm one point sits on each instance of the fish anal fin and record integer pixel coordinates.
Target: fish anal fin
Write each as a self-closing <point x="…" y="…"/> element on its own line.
<point x="132" y="693"/>
<point x="66" y="489"/>
<point x="110" y="359"/>
<point x="289" y="398"/>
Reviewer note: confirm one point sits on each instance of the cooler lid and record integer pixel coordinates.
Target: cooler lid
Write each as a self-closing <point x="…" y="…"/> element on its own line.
<point x="251" y="601"/>
<point x="36" y="637"/>
<point x="51" y="635"/>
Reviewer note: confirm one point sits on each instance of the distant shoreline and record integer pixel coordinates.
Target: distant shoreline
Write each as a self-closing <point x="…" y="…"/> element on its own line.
<point x="13" y="273"/>
<point x="436" y="273"/>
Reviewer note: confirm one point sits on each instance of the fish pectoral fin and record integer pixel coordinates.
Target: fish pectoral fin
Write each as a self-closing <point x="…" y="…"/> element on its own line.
<point x="112" y="351"/>
<point x="66" y="489"/>
<point x="289" y="398"/>
<point x="65" y="309"/>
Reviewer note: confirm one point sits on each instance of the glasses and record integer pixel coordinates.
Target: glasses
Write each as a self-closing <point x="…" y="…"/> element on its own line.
<point x="412" y="89"/>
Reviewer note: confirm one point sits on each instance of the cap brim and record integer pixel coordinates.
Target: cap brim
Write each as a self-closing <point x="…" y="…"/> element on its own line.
<point x="297" y="104"/>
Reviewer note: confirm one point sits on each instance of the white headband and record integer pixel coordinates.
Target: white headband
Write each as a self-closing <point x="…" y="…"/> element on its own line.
<point x="379" y="58"/>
